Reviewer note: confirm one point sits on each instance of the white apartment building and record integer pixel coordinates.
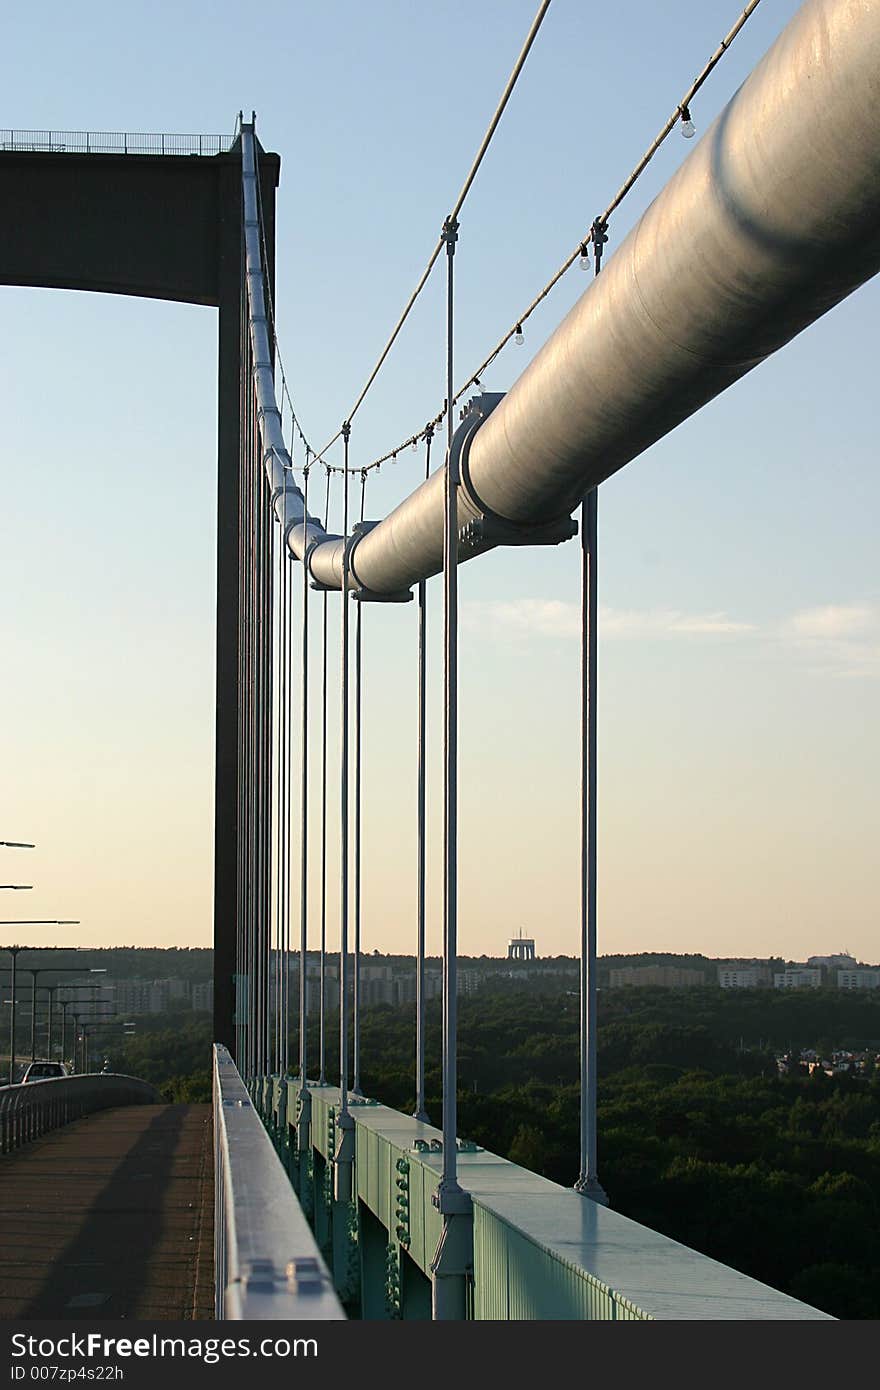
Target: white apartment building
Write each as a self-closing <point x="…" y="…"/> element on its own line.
<point x="138" y="996"/>
<point x="741" y="977"/>
<point x="798" y="979"/>
<point x="858" y="979"/>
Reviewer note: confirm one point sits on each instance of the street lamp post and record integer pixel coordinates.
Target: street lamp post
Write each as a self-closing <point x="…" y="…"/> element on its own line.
<point x="50" y="970"/>
<point x="54" y="1005"/>
<point x="107" y="1022"/>
<point x="52" y="991"/>
<point x="80" y="1024"/>
<point x="13" y="951"/>
<point x="64" y="1005"/>
<point x="70" y="1004"/>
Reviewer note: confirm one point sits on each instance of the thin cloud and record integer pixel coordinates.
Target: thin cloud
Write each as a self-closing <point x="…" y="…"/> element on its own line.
<point x="557" y="618"/>
<point x="839" y="639"/>
<point x="711" y="624"/>
<point x="834" y="620"/>
<point x="524" y="617"/>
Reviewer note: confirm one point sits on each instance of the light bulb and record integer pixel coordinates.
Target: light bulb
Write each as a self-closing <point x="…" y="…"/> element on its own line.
<point x="415" y="446"/>
<point x="584" y="261"/>
<point x="688" y="129"/>
<point x="518" y="335"/>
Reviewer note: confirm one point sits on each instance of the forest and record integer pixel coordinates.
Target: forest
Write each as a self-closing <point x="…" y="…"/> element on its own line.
<point x="699" y="1136"/>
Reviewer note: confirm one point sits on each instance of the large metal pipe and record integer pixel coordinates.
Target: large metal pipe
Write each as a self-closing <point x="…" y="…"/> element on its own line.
<point x="771" y="221"/>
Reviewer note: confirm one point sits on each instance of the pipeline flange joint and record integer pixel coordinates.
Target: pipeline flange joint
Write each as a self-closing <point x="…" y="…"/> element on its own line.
<point x="485" y="527"/>
<point x="358" y="590"/>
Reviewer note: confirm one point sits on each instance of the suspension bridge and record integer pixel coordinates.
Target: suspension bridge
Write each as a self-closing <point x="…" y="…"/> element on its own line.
<point x="328" y="1204"/>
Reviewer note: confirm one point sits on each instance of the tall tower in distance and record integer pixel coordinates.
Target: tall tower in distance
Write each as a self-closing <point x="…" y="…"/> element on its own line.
<point x="521" y="947"/>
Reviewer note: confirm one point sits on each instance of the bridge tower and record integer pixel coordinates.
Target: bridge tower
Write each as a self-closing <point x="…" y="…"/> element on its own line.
<point x="160" y="226"/>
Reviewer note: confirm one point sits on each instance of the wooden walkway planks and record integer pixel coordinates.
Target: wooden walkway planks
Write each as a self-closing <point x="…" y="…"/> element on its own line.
<point x="111" y="1217"/>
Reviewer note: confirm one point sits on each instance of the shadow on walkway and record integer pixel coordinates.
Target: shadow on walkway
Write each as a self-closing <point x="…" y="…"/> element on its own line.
<point x="111" y="1217"/>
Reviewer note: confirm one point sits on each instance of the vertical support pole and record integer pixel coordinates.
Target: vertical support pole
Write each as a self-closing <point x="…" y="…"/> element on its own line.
<point x="257" y="752"/>
<point x="356" y="846"/>
<point x="253" y="771"/>
<point x="420" y="1112"/>
<point x="288" y="746"/>
<point x="342" y="1159"/>
<point x="34" y="974"/>
<point x="345" y="1147"/>
<point x="283" y="811"/>
<point x="279" y="616"/>
<point x="453" y="1258"/>
<point x="273" y="903"/>
<point x="322" y="1076"/>
<point x="450" y="752"/>
<point x="284" y="815"/>
<point x="266" y="817"/>
<point x="304" y="1109"/>
<point x="241" y="989"/>
<point x="248" y="950"/>
<point x="13" y="951"/>
<point x="588" y="1181"/>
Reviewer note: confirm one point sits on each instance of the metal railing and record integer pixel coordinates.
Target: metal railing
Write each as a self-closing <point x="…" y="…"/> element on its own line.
<point x="266" y="1260"/>
<point x="34" y="1108"/>
<point x="111" y="142"/>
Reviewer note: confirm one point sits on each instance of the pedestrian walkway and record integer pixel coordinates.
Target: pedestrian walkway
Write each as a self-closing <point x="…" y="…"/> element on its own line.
<point x="111" y="1217"/>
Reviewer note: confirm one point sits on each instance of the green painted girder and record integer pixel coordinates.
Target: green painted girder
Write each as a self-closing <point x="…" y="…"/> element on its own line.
<point x="541" y="1251"/>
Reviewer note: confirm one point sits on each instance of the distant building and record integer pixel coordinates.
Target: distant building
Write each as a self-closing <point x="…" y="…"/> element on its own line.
<point x="798" y="978"/>
<point x="151" y="996"/>
<point x="378" y="989"/>
<point x="404" y="987"/>
<point x="665" y="976"/>
<point x="743" y="976"/>
<point x="469" y="981"/>
<point x="839" y="962"/>
<point x="203" y="997"/>
<point x="858" y="979"/>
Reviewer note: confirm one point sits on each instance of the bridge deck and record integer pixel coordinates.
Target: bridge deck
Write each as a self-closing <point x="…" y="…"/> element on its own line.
<point x="111" y="1217"/>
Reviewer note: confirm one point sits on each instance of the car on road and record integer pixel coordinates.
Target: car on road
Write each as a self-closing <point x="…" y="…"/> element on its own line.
<point x="44" y="1071"/>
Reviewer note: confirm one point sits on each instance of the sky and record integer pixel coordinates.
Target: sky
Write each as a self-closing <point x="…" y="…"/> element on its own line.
<point x="739" y="596"/>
